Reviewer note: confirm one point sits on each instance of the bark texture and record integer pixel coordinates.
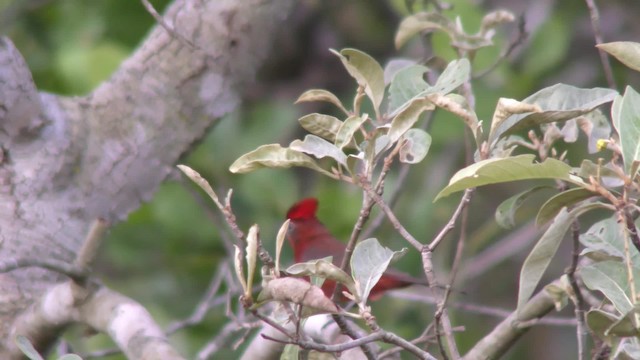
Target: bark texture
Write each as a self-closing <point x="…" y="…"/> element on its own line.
<point x="66" y="161"/>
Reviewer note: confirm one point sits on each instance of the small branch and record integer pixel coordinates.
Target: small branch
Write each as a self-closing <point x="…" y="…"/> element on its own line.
<point x="577" y="298"/>
<point x="597" y="34"/>
<point x="58" y="266"/>
<point x="519" y="39"/>
<point x="152" y="11"/>
<point x="91" y="244"/>
<point x="466" y="198"/>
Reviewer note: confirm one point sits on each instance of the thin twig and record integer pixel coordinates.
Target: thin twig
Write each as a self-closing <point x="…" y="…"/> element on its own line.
<point x="58" y="266"/>
<point x="519" y="39"/>
<point x="578" y="299"/>
<point x="152" y="11"/>
<point x="452" y="222"/>
<point x="597" y="34"/>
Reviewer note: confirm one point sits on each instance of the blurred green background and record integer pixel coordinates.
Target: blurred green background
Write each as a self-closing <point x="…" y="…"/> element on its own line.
<point x="164" y="255"/>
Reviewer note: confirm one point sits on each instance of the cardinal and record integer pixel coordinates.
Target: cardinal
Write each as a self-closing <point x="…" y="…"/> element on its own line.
<point x="310" y="240"/>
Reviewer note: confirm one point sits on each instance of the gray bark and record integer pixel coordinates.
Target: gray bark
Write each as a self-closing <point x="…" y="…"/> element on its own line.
<point x="66" y="161"/>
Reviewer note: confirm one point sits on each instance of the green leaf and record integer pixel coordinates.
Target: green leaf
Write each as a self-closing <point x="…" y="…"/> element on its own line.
<point x="416" y="146"/>
<point x="345" y="134"/>
<point x="615" y="112"/>
<point x="538" y="260"/>
<point x="27" y="348"/>
<point x="600" y="321"/>
<point x="493" y="171"/>
<point x="368" y="262"/>
<point x="322" y="125"/>
<point x="325" y="269"/>
<point x="627" y="52"/>
<point x="406" y="84"/>
<point x="321" y="95"/>
<point x="282" y="234"/>
<point x="421" y="22"/>
<point x="559" y="102"/>
<point x="626" y="326"/>
<point x="252" y="257"/>
<point x="567" y="198"/>
<point x="455" y="74"/>
<point x="629" y="125"/>
<point x="319" y="148"/>
<point x="273" y="156"/>
<point x="407" y="118"/>
<point x="610" y="278"/>
<point x="238" y="266"/>
<point x="604" y="240"/>
<point x="506" y="211"/>
<point x="367" y="72"/>
<point x="70" y="357"/>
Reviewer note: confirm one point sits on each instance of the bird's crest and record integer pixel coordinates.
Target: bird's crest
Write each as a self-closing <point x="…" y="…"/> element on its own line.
<point x="303" y="210"/>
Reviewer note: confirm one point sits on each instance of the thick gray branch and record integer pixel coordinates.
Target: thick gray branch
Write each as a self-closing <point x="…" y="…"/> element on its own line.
<point x="67" y="161"/>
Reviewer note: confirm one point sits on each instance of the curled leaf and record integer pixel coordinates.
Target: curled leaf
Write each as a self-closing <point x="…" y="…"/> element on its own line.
<point x="367" y="72"/>
<point x="282" y="234"/>
<point x="297" y="291"/>
<point x="324" y="126"/>
<point x="252" y="257"/>
<point x="238" y="265"/>
<point x="321" y="95"/>
<point x="319" y="148"/>
<point x="273" y="156"/>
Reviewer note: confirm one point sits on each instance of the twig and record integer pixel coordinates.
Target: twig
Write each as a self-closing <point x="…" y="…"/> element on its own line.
<point x="519" y="39"/>
<point x="452" y="222"/>
<point x="152" y="11"/>
<point x="222" y="337"/>
<point x="58" y="266"/>
<point x="597" y="34"/>
<point x="578" y="300"/>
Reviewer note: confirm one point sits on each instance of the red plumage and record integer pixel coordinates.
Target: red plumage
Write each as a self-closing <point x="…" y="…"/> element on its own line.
<point x="310" y="240"/>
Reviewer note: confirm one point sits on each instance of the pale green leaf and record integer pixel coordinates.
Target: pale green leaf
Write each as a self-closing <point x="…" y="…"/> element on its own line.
<point x="628" y="52"/>
<point x="27" y="348"/>
<point x="323" y="268"/>
<point x="610" y="278"/>
<point x="454" y="75"/>
<point x="282" y="234"/>
<point x="252" y="256"/>
<point x="348" y="128"/>
<point x="506" y="211"/>
<point x="407" y="118"/>
<point x="493" y="171"/>
<point x="321" y="95"/>
<point x="567" y="198"/>
<point x="629" y="125"/>
<point x="392" y="68"/>
<point x="319" y="148"/>
<point x="625" y="326"/>
<point x="605" y="240"/>
<point x="416" y="146"/>
<point x="421" y="22"/>
<point x="238" y="266"/>
<point x="322" y="125"/>
<point x="273" y="156"/>
<point x="406" y="84"/>
<point x="367" y="72"/>
<point x="70" y="357"/>
<point x="368" y="262"/>
<point x="600" y="321"/>
<point x="200" y="181"/>
<point x="559" y="102"/>
<point x="539" y="258"/>
<point x="615" y="112"/>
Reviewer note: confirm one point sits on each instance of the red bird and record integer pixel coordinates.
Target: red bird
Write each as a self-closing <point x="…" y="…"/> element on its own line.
<point x="311" y="240"/>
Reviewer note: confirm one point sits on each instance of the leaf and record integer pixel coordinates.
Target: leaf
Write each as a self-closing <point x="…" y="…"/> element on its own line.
<point x="252" y="257"/>
<point x="319" y="148"/>
<point x="368" y="262"/>
<point x="615" y="112"/>
<point x="454" y="75"/>
<point x="321" y="95"/>
<point x="238" y="265"/>
<point x="407" y="118"/>
<point x="406" y="84"/>
<point x="567" y="198"/>
<point x="367" y="72"/>
<point x="610" y="278"/>
<point x="629" y="125"/>
<point x="539" y="258"/>
<point x="559" y="102"/>
<point x="347" y="129"/>
<point x="394" y="66"/>
<point x="506" y="211"/>
<point x="200" y="181"/>
<point x="322" y="125"/>
<point x="600" y="321"/>
<point x="625" y="326"/>
<point x="282" y="234"/>
<point x="27" y="348"/>
<point x="297" y="291"/>
<point x="416" y="146"/>
<point x="70" y="357"/>
<point x="493" y="171"/>
<point x="596" y="126"/>
<point x="273" y="156"/>
<point x="560" y="292"/>
<point x="325" y="269"/>
<point x="421" y="22"/>
<point x="627" y="52"/>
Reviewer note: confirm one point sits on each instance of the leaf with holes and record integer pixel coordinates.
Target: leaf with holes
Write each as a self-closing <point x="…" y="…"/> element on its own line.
<point x="416" y="146"/>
